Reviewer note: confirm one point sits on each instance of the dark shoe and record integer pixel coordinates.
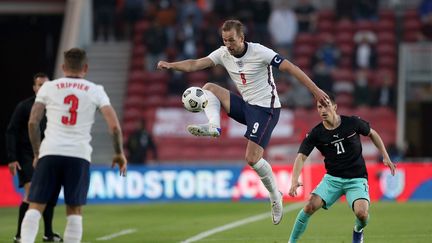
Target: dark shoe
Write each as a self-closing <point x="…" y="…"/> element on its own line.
<point x="52" y="238"/>
<point x="357" y="237"/>
<point x="17" y="239"/>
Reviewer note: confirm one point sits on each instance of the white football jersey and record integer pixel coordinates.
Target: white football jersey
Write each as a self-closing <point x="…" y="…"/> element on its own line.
<point x="252" y="73"/>
<point x="70" y="105"/>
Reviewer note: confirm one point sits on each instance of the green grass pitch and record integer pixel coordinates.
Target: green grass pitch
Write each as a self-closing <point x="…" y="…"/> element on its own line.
<point x="176" y="222"/>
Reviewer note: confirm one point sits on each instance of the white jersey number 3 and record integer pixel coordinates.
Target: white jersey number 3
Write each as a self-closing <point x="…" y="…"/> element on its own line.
<point x="339" y="148"/>
<point x="72" y="118"/>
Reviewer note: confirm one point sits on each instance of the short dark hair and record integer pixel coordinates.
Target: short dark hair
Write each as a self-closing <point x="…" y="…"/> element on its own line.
<point x="39" y="75"/>
<point x="331" y="97"/>
<point x="75" y="59"/>
<point x="233" y="24"/>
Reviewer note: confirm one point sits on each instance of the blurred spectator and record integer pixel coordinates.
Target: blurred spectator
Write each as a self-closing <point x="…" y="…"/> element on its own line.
<point x="186" y="38"/>
<point x="362" y="95"/>
<point x="138" y="144"/>
<point x="210" y="37"/>
<point x="177" y="83"/>
<point x="133" y="11"/>
<point x="261" y="12"/>
<point x="282" y="26"/>
<point x="296" y="95"/>
<point x="385" y="94"/>
<point x="425" y="33"/>
<point x="365" y="54"/>
<point x="103" y="18"/>
<point x="156" y="40"/>
<point x="425" y="10"/>
<point x="306" y="16"/>
<point x="344" y="10"/>
<point x="328" y="52"/>
<point x="321" y="75"/>
<point x="365" y="10"/>
<point x="189" y="9"/>
<point x="167" y="16"/>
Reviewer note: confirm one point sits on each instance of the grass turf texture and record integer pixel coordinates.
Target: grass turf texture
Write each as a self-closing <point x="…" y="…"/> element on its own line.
<point x="176" y="222"/>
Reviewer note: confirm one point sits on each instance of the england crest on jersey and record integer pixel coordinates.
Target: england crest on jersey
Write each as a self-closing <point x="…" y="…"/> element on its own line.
<point x="240" y="64"/>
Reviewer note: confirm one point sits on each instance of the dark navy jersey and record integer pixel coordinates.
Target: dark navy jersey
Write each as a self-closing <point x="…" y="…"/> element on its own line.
<point x="17" y="138"/>
<point x="341" y="147"/>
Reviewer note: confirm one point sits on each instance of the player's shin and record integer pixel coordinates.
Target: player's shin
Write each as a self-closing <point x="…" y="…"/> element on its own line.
<point x="360" y="224"/>
<point x="212" y="109"/>
<point x="30" y="226"/>
<point x="264" y="170"/>
<point x="73" y="230"/>
<point x="299" y="226"/>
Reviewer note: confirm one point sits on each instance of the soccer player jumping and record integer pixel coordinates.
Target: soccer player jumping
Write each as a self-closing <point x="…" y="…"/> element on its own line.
<point x="338" y="139"/>
<point x="250" y="67"/>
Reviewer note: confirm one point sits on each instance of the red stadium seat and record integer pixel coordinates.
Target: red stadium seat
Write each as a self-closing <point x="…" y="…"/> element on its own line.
<point x="305" y="38"/>
<point x="386" y="38"/>
<point x="326" y="15"/>
<point x="365" y="25"/>
<point x="411" y="25"/>
<point x="345" y="26"/>
<point x="386" y="50"/>
<point x="197" y="77"/>
<point x="303" y="62"/>
<point x="410" y="36"/>
<point x="303" y="50"/>
<point x="387" y="62"/>
<point x="387" y="14"/>
<point x="343" y="75"/>
<point x="141" y="26"/>
<point x="325" y="26"/>
<point x="385" y="25"/>
<point x="344" y="38"/>
<point x="410" y="14"/>
<point x="344" y="100"/>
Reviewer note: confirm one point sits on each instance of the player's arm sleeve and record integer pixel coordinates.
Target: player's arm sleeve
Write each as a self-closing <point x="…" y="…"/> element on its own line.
<point x="42" y="94"/>
<point x="101" y="98"/>
<point x="216" y="56"/>
<point x="362" y="126"/>
<point x="308" y="144"/>
<point x="12" y="133"/>
<point x="270" y="57"/>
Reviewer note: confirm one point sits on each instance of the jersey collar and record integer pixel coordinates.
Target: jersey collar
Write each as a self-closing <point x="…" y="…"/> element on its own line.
<point x="244" y="51"/>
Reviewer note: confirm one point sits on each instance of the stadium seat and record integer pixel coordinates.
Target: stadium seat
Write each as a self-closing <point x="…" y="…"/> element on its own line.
<point x="197" y="77"/>
<point x="137" y="63"/>
<point x="365" y="25"/>
<point x="386" y="37"/>
<point x="386" y="50"/>
<point x="137" y="76"/>
<point x="343" y="75"/>
<point x="344" y="100"/>
<point x="410" y="14"/>
<point x="410" y="36"/>
<point x="387" y="62"/>
<point x="344" y="38"/>
<point x="305" y="38"/>
<point x="134" y="101"/>
<point x="303" y="62"/>
<point x="347" y="48"/>
<point x="325" y="26"/>
<point x="345" y="26"/>
<point x="141" y="26"/>
<point x="387" y="14"/>
<point x="139" y="51"/>
<point x="305" y="50"/>
<point x="411" y="25"/>
<point x="385" y="26"/>
<point x="327" y="14"/>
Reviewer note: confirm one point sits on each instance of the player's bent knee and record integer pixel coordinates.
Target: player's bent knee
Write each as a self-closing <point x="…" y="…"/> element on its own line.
<point x="362" y="214"/>
<point x="310" y="208"/>
<point x="73" y="210"/>
<point x="211" y="87"/>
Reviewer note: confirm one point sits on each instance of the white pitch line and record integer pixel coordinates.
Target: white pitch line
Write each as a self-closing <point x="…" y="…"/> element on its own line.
<point x="120" y="233"/>
<point x="238" y="223"/>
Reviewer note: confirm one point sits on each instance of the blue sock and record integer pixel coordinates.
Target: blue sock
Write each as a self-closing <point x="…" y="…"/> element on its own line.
<point x="359" y="225"/>
<point x="299" y="226"/>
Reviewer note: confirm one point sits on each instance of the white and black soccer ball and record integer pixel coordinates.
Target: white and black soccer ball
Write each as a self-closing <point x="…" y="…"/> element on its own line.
<point x="194" y="99"/>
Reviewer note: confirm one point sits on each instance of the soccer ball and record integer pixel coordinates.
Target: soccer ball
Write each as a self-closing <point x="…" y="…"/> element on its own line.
<point x="194" y="99"/>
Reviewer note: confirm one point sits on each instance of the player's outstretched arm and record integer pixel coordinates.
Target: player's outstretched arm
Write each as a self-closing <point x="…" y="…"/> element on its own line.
<point x="376" y="139"/>
<point x="320" y="95"/>
<point x="298" y="165"/>
<point x="36" y="116"/>
<point x="189" y="65"/>
<point x="113" y="123"/>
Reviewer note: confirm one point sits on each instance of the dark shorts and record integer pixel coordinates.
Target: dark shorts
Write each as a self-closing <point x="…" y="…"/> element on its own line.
<point x="260" y="121"/>
<point x="52" y="172"/>
<point x="26" y="173"/>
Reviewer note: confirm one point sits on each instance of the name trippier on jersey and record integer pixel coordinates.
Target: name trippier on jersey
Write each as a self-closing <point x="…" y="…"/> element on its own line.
<point x="66" y="85"/>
